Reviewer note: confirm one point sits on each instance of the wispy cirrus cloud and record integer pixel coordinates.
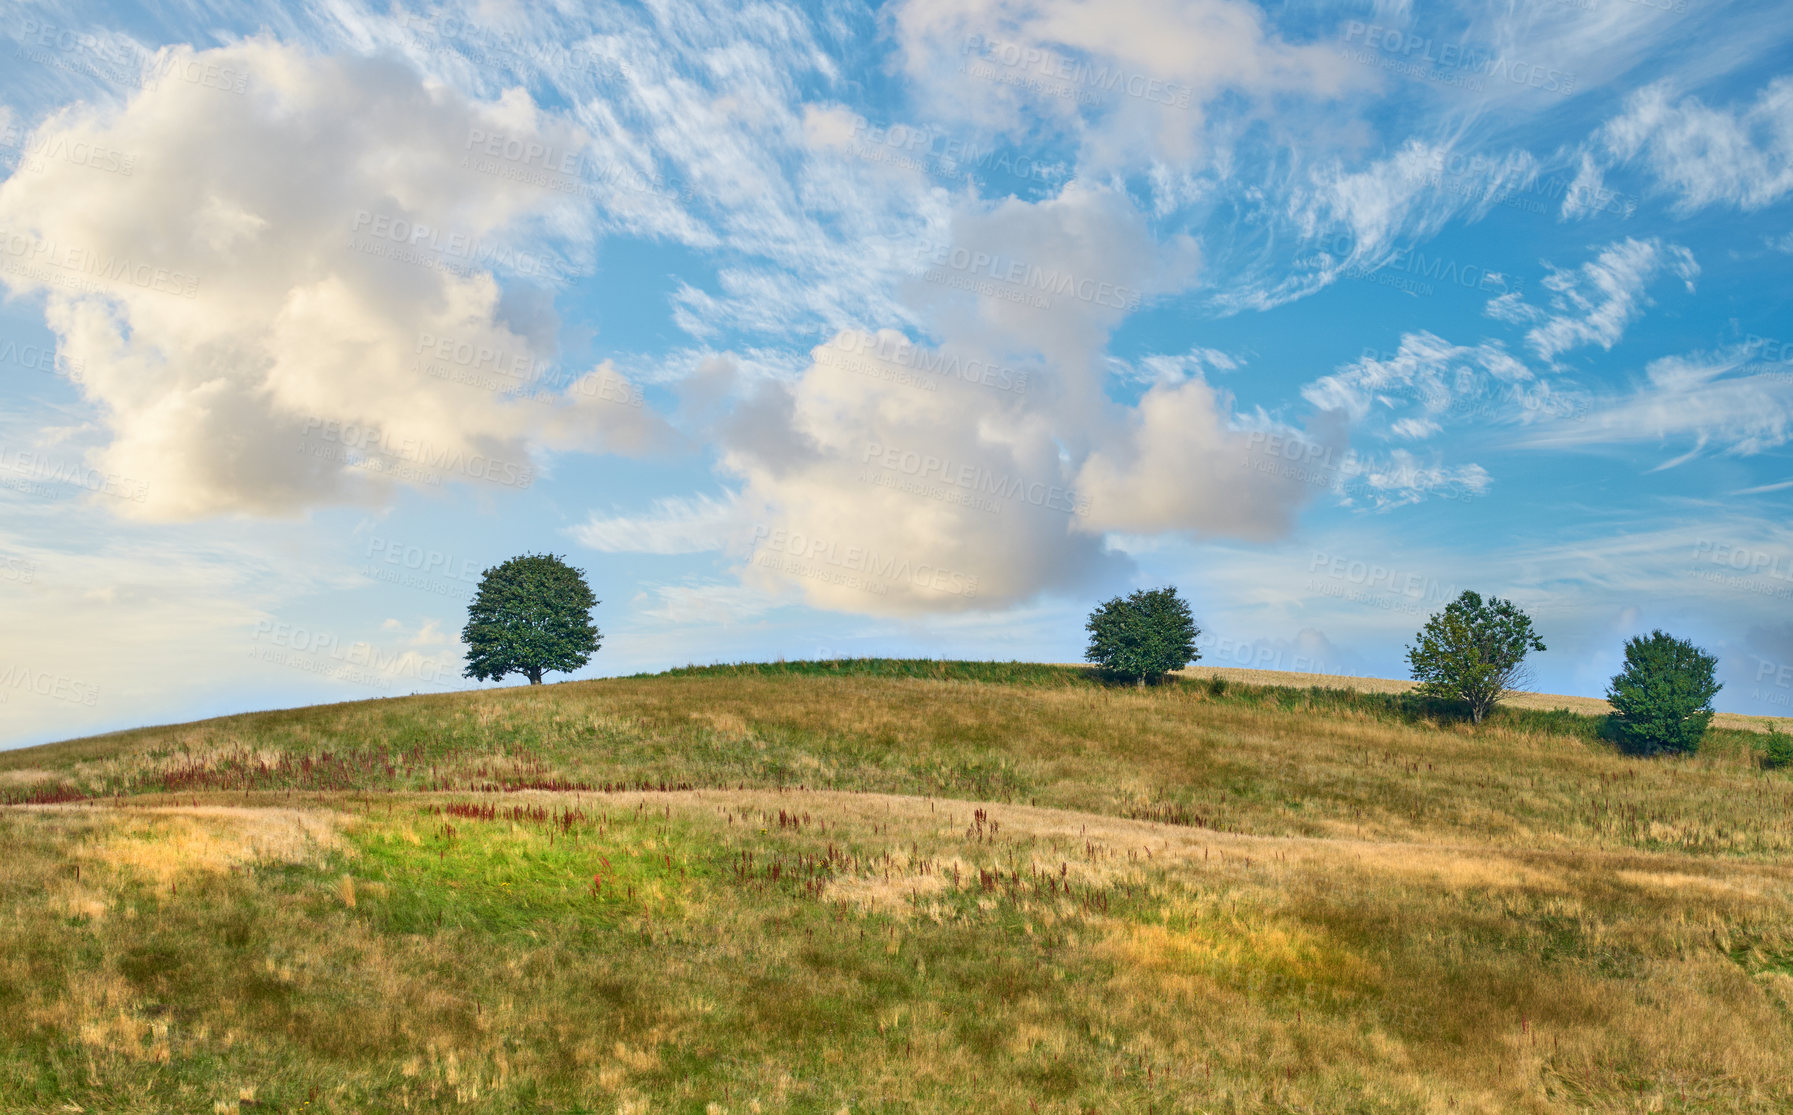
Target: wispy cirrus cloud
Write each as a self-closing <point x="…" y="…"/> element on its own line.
<point x="1594" y="303"/>
<point x="1740" y="156"/>
<point x="1697" y="397"/>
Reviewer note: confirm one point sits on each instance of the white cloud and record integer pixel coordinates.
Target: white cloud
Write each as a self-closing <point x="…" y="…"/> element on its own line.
<point x="292" y="300"/>
<point x="1182" y="469"/>
<point x="1697" y="397"/>
<point x="1428" y="382"/>
<point x="676" y="525"/>
<point x="1593" y="304"/>
<point x="1741" y="156"/>
<point x="1132" y="78"/>
<point x="877" y="493"/>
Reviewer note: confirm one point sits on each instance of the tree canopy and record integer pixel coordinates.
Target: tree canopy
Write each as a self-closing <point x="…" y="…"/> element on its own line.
<point x="1474" y="652"/>
<point x="1143" y="636"/>
<point x="1662" y="699"/>
<point x="531" y="614"/>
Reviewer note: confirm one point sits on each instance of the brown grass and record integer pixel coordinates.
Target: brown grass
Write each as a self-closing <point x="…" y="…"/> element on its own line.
<point x="1587" y="706"/>
<point x="1359" y="914"/>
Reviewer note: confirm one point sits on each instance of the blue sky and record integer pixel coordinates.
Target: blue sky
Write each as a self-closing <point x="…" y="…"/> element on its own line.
<point x="913" y="329"/>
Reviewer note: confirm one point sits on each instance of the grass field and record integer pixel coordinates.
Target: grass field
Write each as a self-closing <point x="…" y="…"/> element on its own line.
<point x="893" y="886"/>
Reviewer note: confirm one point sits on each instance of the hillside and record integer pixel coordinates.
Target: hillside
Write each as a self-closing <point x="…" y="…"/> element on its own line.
<point x="1587" y="706"/>
<point x="893" y="886"/>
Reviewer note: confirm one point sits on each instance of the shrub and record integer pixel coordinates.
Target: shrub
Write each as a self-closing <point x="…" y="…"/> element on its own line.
<point x="1777" y="749"/>
<point x="1473" y="652"/>
<point x="1217" y="686"/>
<point x="1144" y="636"/>
<point x="1662" y="699"/>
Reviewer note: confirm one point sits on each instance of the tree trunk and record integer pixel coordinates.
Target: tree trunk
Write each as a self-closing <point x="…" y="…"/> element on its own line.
<point x="534" y="676"/>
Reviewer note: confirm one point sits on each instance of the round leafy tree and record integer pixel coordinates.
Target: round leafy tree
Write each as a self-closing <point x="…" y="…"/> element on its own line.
<point x="1662" y="699"/>
<point x="531" y="614"/>
<point x="1474" y="652"/>
<point x="1144" y="636"/>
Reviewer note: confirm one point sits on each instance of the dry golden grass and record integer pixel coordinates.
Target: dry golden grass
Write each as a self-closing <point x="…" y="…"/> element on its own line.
<point x="1214" y="972"/>
<point x="1360" y="913"/>
<point x="1587" y="706"/>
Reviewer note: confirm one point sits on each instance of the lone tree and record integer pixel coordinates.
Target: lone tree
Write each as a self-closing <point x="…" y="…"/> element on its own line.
<point x="1662" y="699"/>
<point x="1474" y="652"/>
<point x="1143" y="636"/>
<point x="531" y="614"/>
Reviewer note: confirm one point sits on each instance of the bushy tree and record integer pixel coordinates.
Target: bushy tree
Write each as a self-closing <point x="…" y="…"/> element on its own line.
<point x="1143" y="636"/>
<point x="1474" y="652"/>
<point x="1662" y="699"/>
<point x="531" y="614"/>
<point x="1777" y="749"/>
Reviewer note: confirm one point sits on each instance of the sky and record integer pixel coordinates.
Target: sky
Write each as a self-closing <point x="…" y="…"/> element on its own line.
<point x="917" y="329"/>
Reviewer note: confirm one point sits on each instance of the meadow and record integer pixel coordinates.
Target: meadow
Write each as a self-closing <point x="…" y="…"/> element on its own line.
<point x="893" y="886"/>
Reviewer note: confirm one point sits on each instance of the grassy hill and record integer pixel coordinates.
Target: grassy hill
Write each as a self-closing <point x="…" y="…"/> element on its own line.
<point x="893" y="886"/>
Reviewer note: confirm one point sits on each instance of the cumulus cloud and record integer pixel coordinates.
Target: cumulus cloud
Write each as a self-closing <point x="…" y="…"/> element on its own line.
<point x="983" y="466"/>
<point x="1181" y="468"/>
<point x="308" y="290"/>
<point x="880" y="485"/>
<point x="980" y="469"/>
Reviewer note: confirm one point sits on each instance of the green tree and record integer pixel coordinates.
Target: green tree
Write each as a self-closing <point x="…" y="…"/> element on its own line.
<point x="1777" y="748"/>
<point x="1144" y="636"/>
<point x="1473" y="651"/>
<point x="531" y="614"/>
<point x="1662" y="699"/>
